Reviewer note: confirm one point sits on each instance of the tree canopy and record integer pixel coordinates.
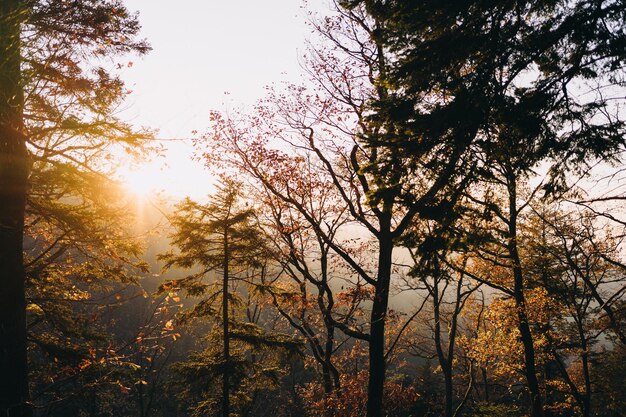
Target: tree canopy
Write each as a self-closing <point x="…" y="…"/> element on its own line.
<point x="414" y="229"/>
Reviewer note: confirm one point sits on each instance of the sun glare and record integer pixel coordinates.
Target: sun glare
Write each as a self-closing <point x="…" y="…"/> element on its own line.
<point x="143" y="181"/>
<point x="176" y="176"/>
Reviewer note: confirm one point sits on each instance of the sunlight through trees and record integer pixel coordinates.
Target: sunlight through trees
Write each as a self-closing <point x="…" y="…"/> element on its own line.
<point x="430" y="223"/>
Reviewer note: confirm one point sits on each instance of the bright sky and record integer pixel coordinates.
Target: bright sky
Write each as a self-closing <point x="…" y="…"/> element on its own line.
<point x="202" y="49"/>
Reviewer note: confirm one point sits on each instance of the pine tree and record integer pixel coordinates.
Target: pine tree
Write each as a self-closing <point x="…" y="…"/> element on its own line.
<point x="56" y="115"/>
<point x="498" y="78"/>
<point x="221" y="237"/>
<point x="13" y="185"/>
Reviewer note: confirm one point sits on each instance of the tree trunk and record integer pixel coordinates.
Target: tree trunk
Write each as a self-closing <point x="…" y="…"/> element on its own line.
<point x="14" y="165"/>
<point x="377" y="325"/>
<point x="586" y="398"/>
<point x="483" y="372"/>
<point x="520" y="305"/>
<point x="529" y="349"/>
<point x="330" y="373"/>
<point x="226" y="386"/>
<point x="444" y="362"/>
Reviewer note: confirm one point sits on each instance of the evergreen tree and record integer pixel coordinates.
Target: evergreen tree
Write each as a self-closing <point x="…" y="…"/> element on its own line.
<point x="56" y="115"/>
<point x="221" y="237"/>
<point x="522" y="81"/>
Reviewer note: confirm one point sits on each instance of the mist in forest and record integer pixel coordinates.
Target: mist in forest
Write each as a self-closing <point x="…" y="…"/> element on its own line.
<point x="328" y="208"/>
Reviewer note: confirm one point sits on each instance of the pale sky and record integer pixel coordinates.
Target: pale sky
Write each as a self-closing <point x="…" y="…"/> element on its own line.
<point x="202" y="49"/>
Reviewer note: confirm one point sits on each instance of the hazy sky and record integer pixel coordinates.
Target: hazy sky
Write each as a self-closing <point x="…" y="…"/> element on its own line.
<point x="201" y="49"/>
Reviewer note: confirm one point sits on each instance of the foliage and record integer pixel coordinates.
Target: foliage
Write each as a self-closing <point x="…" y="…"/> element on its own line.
<point x="350" y="401"/>
<point x="493" y="410"/>
<point x="257" y="364"/>
<point x="221" y="236"/>
<point x="428" y="156"/>
<point x="76" y="240"/>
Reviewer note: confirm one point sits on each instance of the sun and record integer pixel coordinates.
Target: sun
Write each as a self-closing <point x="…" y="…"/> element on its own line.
<point x="176" y="176"/>
<point x="143" y="181"/>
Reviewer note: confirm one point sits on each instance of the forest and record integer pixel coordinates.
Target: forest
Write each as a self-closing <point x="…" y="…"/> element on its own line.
<point x="430" y="223"/>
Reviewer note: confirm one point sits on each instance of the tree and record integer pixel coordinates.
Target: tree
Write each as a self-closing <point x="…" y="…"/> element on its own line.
<point x="448" y="292"/>
<point x="567" y="262"/>
<point x="382" y="191"/>
<point x="220" y="236"/>
<point x="13" y="185"/>
<point x="501" y="77"/>
<point x="573" y="257"/>
<point x="56" y="104"/>
<point x="303" y="294"/>
<point x="307" y="293"/>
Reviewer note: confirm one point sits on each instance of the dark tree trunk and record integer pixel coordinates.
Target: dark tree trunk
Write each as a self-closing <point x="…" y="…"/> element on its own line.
<point x="529" y="349"/>
<point x="444" y="362"/>
<point x="329" y="371"/>
<point x="377" y="323"/>
<point x="520" y="305"/>
<point x="586" y="398"/>
<point x="447" y="374"/>
<point x="483" y="372"/>
<point x="14" y="165"/>
<point x="446" y="367"/>
<point x="226" y="380"/>
<point x="328" y="382"/>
